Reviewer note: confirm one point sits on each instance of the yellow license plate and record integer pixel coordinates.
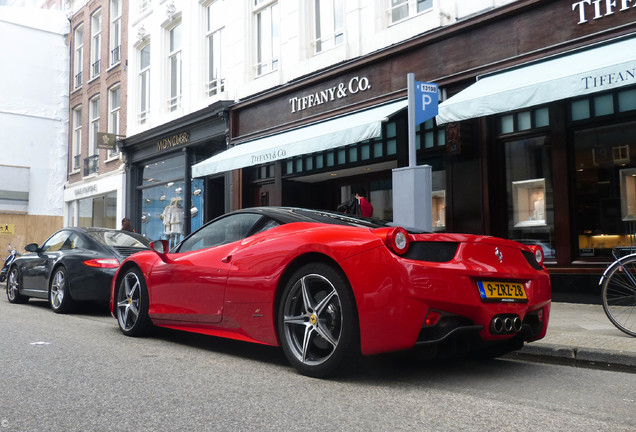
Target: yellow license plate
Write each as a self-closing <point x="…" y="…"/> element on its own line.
<point x="502" y="291"/>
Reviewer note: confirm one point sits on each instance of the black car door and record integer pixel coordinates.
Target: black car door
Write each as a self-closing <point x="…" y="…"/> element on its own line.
<point x="37" y="269"/>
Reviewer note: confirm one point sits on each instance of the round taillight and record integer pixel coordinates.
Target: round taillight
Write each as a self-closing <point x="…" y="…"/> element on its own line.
<point x="538" y="254"/>
<point x="398" y="240"/>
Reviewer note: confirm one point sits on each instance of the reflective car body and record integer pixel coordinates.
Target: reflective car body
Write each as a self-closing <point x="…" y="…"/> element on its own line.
<point x="329" y="287"/>
<point x="74" y="264"/>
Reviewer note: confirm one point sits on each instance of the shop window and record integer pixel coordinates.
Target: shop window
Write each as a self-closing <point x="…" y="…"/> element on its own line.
<point x="432" y="135"/>
<point x="163" y="213"/>
<point x="524" y="120"/>
<point x="603" y="105"/>
<point x="604" y="161"/>
<point x="627" y="100"/>
<point x="529" y="192"/>
<point x="99" y="211"/>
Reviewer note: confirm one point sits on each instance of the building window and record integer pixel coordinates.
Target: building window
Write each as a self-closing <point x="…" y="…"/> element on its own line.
<point x="100" y="211"/>
<point x="528" y="165"/>
<point x="328" y="24"/>
<point x="174" y="67"/>
<point x="604" y="190"/>
<point x="267" y="36"/>
<point x="96" y="43"/>
<point x="78" y="56"/>
<point x="114" y="103"/>
<point x="144" y="5"/>
<point x="402" y="9"/>
<point x="144" y="84"/>
<point x="94" y="126"/>
<point x="524" y="120"/>
<point x="115" y="31"/>
<point x="214" y="34"/>
<point x="77" y="137"/>
<point x="430" y="136"/>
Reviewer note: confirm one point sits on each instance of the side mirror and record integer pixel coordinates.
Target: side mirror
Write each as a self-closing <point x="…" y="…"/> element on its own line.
<point x="31" y="247"/>
<point x="160" y="246"/>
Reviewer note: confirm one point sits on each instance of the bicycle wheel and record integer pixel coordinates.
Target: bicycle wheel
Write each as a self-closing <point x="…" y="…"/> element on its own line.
<point x="619" y="294"/>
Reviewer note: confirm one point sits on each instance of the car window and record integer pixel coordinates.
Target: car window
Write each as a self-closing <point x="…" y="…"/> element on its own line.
<point x="119" y="238"/>
<point x="56" y="242"/>
<point x="222" y="231"/>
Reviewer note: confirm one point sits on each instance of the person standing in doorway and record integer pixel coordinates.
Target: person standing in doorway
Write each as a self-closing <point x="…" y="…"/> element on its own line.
<point x="366" y="209"/>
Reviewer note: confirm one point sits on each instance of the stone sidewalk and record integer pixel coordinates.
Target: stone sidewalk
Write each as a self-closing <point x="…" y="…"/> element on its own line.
<point x="582" y="335"/>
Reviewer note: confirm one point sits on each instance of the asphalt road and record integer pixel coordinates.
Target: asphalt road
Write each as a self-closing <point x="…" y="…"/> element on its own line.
<point x="79" y="373"/>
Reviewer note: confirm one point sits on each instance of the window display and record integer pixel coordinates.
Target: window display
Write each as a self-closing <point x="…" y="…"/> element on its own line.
<point x="529" y="202"/>
<point x="439" y="210"/>
<point x="628" y="194"/>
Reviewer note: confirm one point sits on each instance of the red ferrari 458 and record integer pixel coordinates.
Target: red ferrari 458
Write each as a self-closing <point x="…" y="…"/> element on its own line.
<point x="329" y="287"/>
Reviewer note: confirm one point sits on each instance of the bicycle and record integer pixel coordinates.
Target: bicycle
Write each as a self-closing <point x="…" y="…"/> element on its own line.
<point x="618" y="290"/>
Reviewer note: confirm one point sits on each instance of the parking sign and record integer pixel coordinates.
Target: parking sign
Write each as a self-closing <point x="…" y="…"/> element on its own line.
<point x="426" y="101"/>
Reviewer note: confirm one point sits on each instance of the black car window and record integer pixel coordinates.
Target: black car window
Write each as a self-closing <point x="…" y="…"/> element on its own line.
<point x="76" y="241"/>
<point x="119" y="238"/>
<point x="226" y="230"/>
<point x="56" y="242"/>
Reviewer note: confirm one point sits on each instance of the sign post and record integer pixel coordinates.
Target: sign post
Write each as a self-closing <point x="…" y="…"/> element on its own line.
<point x="412" y="193"/>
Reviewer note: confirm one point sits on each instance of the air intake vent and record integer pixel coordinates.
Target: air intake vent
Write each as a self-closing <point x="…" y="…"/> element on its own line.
<point x="432" y="251"/>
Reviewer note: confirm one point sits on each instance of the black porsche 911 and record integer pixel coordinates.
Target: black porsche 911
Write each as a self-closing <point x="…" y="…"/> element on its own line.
<point x="73" y="265"/>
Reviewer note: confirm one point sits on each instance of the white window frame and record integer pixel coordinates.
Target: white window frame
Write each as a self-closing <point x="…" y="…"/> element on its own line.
<point x="328" y="24"/>
<point x="214" y="47"/>
<point x="267" y="36"/>
<point x="115" y="31"/>
<point x="76" y="163"/>
<point x="96" y="43"/>
<point x="175" y="67"/>
<point x="78" y="56"/>
<point x="94" y="114"/>
<point x="144" y="5"/>
<point x="114" y="112"/>
<point x="144" y="86"/>
<point x="400" y="10"/>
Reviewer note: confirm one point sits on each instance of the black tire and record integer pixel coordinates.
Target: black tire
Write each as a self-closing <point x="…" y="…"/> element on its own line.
<point x="131" y="308"/>
<point x="13" y="287"/>
<point x="59" y="296"/>
<point x="318" y="322"/>
<point x="618" y="291"/>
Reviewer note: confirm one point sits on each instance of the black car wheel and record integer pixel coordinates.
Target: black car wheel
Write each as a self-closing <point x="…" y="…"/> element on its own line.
<point x="132" y="304"/>
<point x="13" y="287"/>
<point x="318" y="322"/>
<point x="59" y="296"/>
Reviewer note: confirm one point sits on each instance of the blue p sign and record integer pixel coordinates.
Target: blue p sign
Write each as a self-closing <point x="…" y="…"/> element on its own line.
<point x="426" y="101"/>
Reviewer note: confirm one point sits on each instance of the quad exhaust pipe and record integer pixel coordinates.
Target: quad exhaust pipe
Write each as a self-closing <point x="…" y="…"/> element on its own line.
<point x="505" y="324"/>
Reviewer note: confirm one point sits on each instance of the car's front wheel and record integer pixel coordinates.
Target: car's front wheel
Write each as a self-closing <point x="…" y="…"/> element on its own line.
<point x="13" y="287"/>
<point x="59" y="297"/>
<point x="132" y="304"/>
<point x="318" y="322"/>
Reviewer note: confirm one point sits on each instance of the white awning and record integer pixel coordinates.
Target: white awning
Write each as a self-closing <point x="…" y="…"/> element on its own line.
<point x="597" y="69"/>
<point x="348" y="129"/>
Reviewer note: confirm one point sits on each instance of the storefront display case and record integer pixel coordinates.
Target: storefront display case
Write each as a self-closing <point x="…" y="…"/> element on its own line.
<point x="628" y="194"/>
<point x="528" y="203"/>
<point x="439" y="210"/>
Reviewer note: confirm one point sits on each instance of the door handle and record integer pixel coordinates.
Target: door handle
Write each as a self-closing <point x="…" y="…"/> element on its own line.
<point x="227" y="259"/>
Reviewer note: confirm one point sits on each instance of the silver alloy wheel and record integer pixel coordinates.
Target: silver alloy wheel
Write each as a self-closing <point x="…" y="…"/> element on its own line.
<point x="12" y="285"/>
<point x="128" y="301"/>
<point x="58" y="289"/>
<point x="313" y="319"/>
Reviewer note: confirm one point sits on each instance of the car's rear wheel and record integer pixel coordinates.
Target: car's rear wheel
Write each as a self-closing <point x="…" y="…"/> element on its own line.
<point x="318" y="322"/>
<point x="132" y="304"/>
<point x="59" y="296"/>
<point x="13" y="287"/>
